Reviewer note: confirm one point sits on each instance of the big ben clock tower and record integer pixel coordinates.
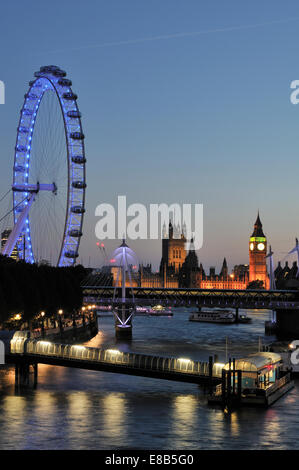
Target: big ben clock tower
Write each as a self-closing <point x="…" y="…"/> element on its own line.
<point x="257" y="255"/>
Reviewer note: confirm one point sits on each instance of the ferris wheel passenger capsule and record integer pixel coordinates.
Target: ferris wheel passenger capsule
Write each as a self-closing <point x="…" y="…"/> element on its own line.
<point x="71" y="254"/>
<point x="64" y="82"/>
<point x="79" y="159"/>
<point x="77" y="209"/>
<point x="77" y="135"/>
<point x="75" y="233"/>
<point x="79" y="184"/>
<point x="74" y="114"/>
<point x="70" y="96"/>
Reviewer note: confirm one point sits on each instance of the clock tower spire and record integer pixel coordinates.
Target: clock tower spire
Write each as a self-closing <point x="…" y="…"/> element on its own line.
<point x="257" y="254"/>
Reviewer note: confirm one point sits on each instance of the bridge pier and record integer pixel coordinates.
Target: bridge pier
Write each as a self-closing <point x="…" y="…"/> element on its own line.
<point x="287" y="323"/>
<point x="35" y="374"/>
<point x="123" y="315"/>
<point x="123" y="332"/>
<point x="22" y="374"/>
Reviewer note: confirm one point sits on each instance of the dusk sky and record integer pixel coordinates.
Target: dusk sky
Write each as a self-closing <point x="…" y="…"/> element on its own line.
<point x="171" y="116"/>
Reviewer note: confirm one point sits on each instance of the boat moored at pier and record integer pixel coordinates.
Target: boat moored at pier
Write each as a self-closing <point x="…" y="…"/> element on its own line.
<point x="258" y="379"/>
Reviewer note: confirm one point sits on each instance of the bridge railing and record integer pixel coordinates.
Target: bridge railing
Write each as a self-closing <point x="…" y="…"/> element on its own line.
<point x="18" y="341"/>
<point x="113" y="356"/>
<point x="261" y="299"/>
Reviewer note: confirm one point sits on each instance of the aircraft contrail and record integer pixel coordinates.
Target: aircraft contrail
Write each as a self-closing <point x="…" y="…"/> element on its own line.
<point x="174" y="36"/>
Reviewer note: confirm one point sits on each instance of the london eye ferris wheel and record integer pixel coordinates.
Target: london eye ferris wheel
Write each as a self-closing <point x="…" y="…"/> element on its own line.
<point x="49" y="177"/>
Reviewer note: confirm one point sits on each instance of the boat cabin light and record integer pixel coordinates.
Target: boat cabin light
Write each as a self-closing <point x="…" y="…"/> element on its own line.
<point x="258" y="369"/>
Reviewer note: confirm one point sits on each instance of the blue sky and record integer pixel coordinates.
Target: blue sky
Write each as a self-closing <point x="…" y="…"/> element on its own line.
<point x="200" y="118"/>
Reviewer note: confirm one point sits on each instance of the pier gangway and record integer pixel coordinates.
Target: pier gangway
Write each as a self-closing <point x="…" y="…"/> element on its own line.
<point x="25" y="352"/>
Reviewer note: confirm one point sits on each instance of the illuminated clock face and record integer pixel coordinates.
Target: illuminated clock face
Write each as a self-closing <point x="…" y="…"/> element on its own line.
<point x="260" y="246"/>
<point x="251" y="246"/>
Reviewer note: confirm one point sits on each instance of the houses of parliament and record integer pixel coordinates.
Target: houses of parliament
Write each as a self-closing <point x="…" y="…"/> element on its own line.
<point x="181" y="269"/>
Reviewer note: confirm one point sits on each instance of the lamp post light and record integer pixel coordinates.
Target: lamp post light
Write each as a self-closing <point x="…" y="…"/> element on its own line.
<point x="83" y="316"/>
<point x="60" y="312"/>
<point x="18" y="319"/>
<point x="43" y="326"/>
<point x="94" y="313"/>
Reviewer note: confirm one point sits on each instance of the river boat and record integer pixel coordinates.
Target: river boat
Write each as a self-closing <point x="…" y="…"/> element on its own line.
<point x="258" y="379"/>
<point x="213" y="316"/>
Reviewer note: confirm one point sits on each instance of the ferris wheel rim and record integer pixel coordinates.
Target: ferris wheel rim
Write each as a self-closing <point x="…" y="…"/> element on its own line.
<point x="52" y="77"/>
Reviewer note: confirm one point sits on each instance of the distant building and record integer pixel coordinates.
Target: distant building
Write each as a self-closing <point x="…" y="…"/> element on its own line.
<point x="236" y="280"/>
<point x="4" y="237"/>
<point x="181" y="269"/>
<point x="173" y="248"/>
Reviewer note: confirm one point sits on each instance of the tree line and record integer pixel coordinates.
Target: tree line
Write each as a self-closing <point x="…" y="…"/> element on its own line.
<point x="30" y="288"/>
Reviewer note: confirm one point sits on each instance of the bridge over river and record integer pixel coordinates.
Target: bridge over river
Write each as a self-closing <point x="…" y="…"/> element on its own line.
<point x="285" y="303"/>
<point x="25" y="352"/>
<point x="247" y="299"/>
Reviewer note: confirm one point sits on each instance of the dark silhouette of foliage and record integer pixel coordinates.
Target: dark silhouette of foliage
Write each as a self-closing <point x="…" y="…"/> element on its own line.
<point x="29" y="288"/>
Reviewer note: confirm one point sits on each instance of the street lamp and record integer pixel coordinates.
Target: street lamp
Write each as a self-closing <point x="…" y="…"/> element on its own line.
<point x="60" y="321"/>
<point x="43" y="326"/>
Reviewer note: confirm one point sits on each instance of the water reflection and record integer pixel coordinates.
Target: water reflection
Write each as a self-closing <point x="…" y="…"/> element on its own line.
<point x="114" y="416"/>
<point x="13" y="415"/>
<point x="184" y="417"/>
<point x="234" y="424"/>
<point x="80" y="409"/>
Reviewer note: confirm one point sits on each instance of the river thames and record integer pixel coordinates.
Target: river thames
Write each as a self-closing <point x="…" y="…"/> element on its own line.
<point x="79" y="409"/>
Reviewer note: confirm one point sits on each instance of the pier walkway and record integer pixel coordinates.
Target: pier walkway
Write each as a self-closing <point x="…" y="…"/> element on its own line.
<point x="24" y="351"/>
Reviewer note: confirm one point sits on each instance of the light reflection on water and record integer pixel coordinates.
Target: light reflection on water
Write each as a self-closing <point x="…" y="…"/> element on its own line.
<point x="79" y="409"/>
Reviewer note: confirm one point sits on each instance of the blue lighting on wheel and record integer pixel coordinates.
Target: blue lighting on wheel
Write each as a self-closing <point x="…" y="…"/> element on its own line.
<point x="53" y="79"/>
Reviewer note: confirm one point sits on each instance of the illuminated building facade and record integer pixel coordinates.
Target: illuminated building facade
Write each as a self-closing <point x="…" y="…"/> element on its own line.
<point x="257" y="255"/>
<point x="173" y="248"/>
<point x="181" y="269"/>
<point x="238" y="279"/>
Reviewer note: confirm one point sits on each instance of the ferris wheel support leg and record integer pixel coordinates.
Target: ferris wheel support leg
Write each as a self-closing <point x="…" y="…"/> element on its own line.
<point x="15" y="233"/>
